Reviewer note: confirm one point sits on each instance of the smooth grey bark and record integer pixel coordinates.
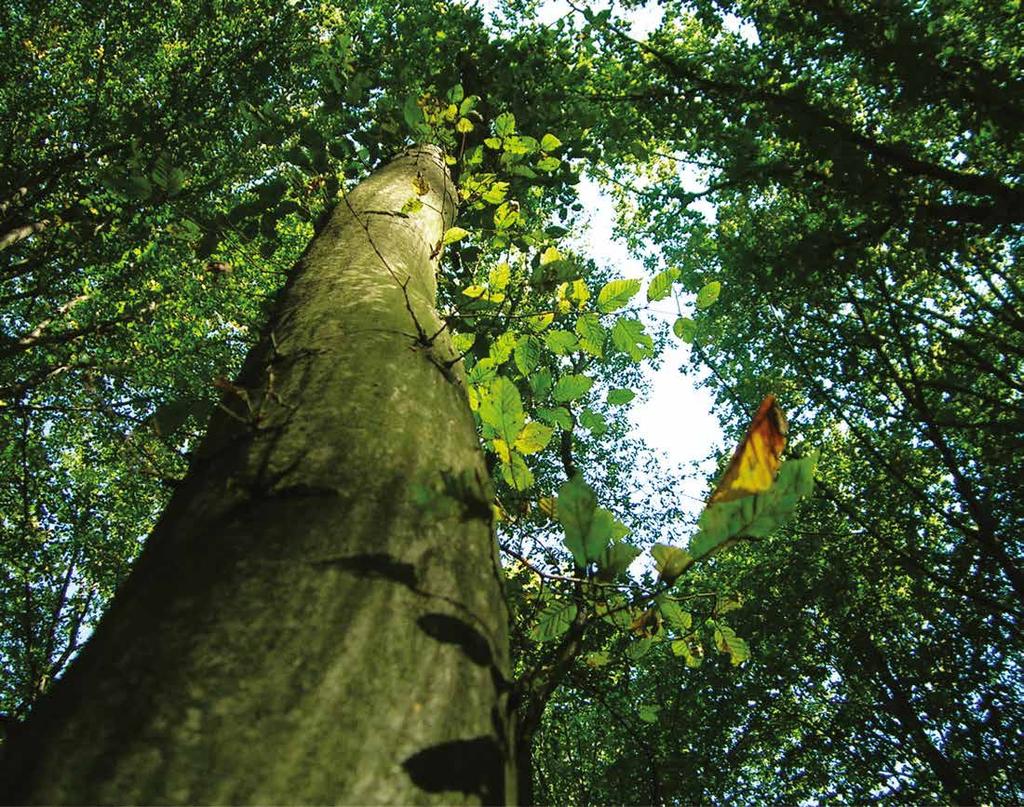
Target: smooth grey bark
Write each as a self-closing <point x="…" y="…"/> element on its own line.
<point x="301" y="627"/>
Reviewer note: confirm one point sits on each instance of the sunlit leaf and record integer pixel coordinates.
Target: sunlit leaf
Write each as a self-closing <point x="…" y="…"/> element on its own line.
<point x="708" y="294"/>
<point x="661" y="285"/>
<point x="572" y="388"/>
<point x="616" y="293"/>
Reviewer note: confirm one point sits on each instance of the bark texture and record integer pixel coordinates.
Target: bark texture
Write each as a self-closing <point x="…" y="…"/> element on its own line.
<point x="301" y="627"/>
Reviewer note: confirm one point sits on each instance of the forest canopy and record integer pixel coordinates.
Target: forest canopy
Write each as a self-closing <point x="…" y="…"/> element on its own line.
<point x="829" y="194"/>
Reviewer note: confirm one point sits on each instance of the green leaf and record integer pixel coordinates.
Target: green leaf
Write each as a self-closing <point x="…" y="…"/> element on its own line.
<point x="548" y="164"/>
<point x="661" y="285"/>
<point x="553" y="621"/>
<point x="560" y="342"/>
<point x="549" y="256"/>
<point x="501" y="348"/>
<point x="727" y="641"/>
<point x="515" y="472"/>
<point x="461" y="342"/>
<point x="312" y="139"/>
<point x="588" y="528"/>
<point x="454" y="234"/>
<point x="412" y="205"/>
<point x="549" y="142"/>
<point x="757" y="515"/>
<point x="670" y="561"/>
<point x="139" y="187"/>
<point x="629" y="337"/>
<point x="691" y="649"/>
<point x="496" y="194"/>
<point x="619" y="397"/>
<point x="708" y="294"/>
<point x="686" y="329"/>
<point x="592" y="334"/>
<point x="505" y="216"/>
<point x="572" y="388"/>
<point x="615" y="560"/>
<point x="482" y="372"/>
<point x="540" y="383"/>
<point x="575" y="511"/>
<point x="616" y="293"/>
<point x="648" y="713"/>
<point x="520" y="144"/>
<point x="596" y="658"/>
<point x="675" y="616"/>
<point x="594" y="422"/>
<point x="501" y="408"/>
<point x="505" y="124"/>
<point x="499" y="276"/>
<point x="412" y="113"/>
<point x="557" y="416"/>
<point x="640" y="648"/>
<point x="527" y="354"/>
<point x="533" y="438"/>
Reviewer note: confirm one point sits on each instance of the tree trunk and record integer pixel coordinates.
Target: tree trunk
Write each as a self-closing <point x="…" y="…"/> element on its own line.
<point x="306" y="625"/>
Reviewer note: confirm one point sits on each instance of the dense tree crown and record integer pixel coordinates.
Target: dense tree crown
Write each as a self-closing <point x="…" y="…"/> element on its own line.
<point x="163" y="167"/>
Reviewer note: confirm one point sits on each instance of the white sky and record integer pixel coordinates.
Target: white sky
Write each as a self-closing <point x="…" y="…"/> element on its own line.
<point x="676" y="418"/>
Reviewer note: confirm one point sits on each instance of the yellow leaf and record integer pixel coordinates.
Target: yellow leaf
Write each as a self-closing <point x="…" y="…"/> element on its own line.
<point x="580" y="293"/>
<point x="550" y="255"/>
<point x="541" y="321"/>
<point x="756" y="461"/>
<point x="533" y="438"/>
<point x="499" y="276"/>
<point x="501" y="449"/>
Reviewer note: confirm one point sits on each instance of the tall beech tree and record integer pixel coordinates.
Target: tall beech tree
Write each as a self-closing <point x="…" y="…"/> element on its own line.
<point x="325" y="596"/>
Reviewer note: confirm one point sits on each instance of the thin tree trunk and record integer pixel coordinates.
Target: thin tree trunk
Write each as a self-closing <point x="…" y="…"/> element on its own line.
<point x="306" y="625"/>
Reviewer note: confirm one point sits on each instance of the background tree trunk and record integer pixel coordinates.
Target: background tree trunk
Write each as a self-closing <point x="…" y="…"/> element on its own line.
<point x="306" y="625"/>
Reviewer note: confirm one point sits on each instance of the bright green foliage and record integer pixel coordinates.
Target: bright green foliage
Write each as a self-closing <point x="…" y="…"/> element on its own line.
<point x="572" y="387"/>
<point x="616" y="293"/>
<point x="685" y="328"/>
<point x="629" y="337"/>
<point x="592" y="334"/>
<point x="670" y="561"/>
<point x="727" y="641"/>
<point x="502" y="409"/>
<point x="455" y="234"/>
<point x="661" y="285"/>
<point x="620" y="397"/>
<point x="708" y="294"/>
<point x="615" y="560"/>
<point x="588" y="528"/>
<point x="533" y="438"/>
